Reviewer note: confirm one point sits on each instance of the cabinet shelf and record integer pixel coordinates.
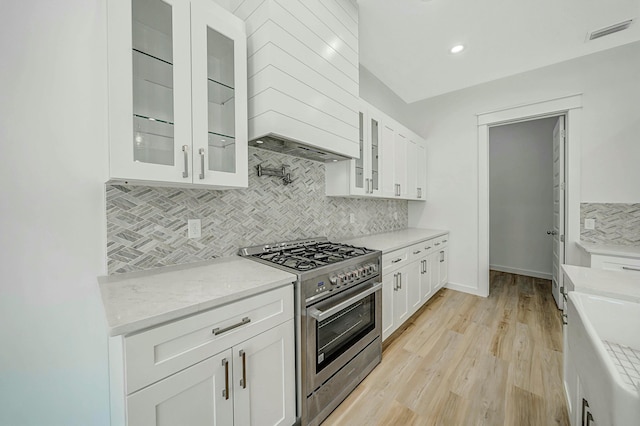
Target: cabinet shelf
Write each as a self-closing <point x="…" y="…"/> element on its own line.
<point x="151" y="56"/>
<point x="219" y="93"/>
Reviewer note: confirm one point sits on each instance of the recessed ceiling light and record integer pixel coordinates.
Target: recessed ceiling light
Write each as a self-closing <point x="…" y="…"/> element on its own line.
<point x="259" y="142"/>
<point x="457" y="48"/>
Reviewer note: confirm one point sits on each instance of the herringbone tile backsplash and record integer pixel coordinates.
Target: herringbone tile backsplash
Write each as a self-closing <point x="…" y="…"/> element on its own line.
<point x="616" y="223"/>
<point x="147" y="226"/>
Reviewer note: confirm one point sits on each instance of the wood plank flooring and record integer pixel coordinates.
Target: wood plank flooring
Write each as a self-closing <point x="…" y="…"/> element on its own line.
<point x="468" y="360"/>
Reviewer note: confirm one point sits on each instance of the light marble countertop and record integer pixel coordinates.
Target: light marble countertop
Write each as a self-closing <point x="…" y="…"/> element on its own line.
<point x="390" y="241"/>
<point x="138" y="300"/>
<point x="616" y="284"/>
<point x="610" y="250"/>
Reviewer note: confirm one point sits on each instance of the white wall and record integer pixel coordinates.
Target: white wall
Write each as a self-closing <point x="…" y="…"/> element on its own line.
<point x="53" y="131"/>
<point x="521" y="197"/>
<point x="382" y="97"/>
<point x="610" y="150"/>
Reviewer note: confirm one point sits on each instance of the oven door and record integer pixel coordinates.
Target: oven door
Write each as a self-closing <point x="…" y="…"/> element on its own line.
<point x="338" y="328"/>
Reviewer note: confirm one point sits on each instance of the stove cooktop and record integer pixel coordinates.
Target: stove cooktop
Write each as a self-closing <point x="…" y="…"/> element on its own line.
<point x="305" y="255"/>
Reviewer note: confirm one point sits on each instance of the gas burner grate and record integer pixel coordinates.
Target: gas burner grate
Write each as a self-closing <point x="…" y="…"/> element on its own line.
<point x="312" y="255"/>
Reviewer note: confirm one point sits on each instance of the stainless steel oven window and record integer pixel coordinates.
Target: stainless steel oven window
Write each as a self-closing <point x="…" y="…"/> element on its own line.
<point x="337" y="333"/>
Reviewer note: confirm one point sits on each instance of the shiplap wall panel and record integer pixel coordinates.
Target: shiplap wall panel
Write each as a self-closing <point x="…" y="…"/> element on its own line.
<point x="296" y="89"/>
<point x="300" y="71"/>
<point x="300" y="111"/>
<point x="305" y="45"/>
<point x="303" y="71"/>
<point x="311" y="70"/>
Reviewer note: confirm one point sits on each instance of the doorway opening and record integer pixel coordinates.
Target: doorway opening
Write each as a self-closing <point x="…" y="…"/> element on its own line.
<point x="571" y="108"/>
<point x="526" y="198"/>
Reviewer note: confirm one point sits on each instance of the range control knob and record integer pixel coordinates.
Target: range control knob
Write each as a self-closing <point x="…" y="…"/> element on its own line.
<point x="341" y="278"/>
<point x="333" y="280"/>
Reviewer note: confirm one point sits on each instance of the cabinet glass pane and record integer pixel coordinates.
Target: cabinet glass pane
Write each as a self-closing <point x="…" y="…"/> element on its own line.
<point x="375" y="164"/>
<point x="360" y="161"/>
<point x="221" y="102"/>
<point x="152" y="82"/>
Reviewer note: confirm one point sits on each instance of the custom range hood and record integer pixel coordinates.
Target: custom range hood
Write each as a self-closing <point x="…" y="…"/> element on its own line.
<point x="303" y="78"/>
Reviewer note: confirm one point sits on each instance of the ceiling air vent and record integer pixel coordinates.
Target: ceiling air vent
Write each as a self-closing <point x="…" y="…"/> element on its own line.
<point x="610" y="30"/>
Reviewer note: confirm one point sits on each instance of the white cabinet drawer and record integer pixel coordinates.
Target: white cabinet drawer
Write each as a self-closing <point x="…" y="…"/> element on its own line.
<point x="417" y="251"/>
<point x="614" y="263"/>
<point x="394" y="260"/>
<point x="159" y="352"/>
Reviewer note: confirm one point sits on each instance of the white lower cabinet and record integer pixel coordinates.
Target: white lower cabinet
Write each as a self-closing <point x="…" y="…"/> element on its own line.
<point x="232" y="365"/>
<point x="410" y="277"/>
<point x="264" y="378"/>
<point x="194" y="396"/>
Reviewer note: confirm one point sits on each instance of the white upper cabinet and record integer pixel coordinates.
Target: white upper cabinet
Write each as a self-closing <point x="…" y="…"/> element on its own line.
<point x="303" y="72"/>
<point x="391" y="163"/>
<point x="177" y="93"/>
<point x="360" y="176"/>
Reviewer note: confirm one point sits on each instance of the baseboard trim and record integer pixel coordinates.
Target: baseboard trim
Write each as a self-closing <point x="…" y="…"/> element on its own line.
<point x="465" y="289"/>
<point x="525" y="272"/>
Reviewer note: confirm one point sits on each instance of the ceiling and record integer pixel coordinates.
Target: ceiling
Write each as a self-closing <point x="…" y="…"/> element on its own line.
<point x="405" y="43"/>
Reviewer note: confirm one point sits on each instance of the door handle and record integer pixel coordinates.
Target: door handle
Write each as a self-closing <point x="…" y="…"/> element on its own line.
<point x="552" y="232"/>
<point x="201" y="152"/>
<point x="185" y="150"/>
<point x="243" y="381"/>
<point x="225" y="391"/>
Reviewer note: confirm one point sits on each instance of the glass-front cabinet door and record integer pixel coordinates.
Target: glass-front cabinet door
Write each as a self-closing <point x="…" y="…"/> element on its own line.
<point x="219" y="76"/>
<point x="358" y="163"/>
<point x="374" y="159"/>
<point x="171" y="63"/>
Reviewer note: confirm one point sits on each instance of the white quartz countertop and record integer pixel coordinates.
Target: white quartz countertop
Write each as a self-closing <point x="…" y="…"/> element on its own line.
<point x="616" y="284"/>
<point x="390" y="241"/>
<point x="611" y="250"/>
<point x="138" y="300"/>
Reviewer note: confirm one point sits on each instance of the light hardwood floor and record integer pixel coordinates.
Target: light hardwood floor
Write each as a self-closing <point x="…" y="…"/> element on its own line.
<point x="468" y="360"/>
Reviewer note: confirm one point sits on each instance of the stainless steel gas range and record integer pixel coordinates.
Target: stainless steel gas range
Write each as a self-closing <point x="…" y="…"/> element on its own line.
<point x="338" y="318"/>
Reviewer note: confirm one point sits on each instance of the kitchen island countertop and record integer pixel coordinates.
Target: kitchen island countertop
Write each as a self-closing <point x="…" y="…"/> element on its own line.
<point x="138" y="300"/>
<point x="390" y="241"/>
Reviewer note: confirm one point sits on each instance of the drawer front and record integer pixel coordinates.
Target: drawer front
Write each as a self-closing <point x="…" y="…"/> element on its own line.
<point x="159" y="352"/>
<point x="417" y="251"/>
<point x="394" y="260"/>
<point x="612" y="263"/>
<point x="440" y="242"/>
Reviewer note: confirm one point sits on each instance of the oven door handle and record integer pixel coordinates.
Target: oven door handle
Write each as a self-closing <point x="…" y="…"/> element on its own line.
<point x="319" y="315"/>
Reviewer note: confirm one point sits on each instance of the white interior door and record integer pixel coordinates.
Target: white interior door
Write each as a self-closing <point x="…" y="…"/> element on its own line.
<point x="558" y="209"/>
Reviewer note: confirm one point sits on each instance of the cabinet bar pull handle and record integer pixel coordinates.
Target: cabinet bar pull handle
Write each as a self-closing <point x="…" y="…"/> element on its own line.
<point x="400" y="279"/>
<point x="218" y="330"/>
<point x="201" y="151"/>
<point x="243" y="381"/>
<point x="585" y="405"/>
<point x="395" y="282"/>
<point x="436" y="244"/>
<point x="629" y="268"/>
<point x="417" y="251"/>
<point x="444" y="241"/>
<point x="442" y="256"/>
<point x="225" y="391"/>
<point x="396" y="260"/>
<point x="589" y="418"/>
<point x="185" y="148"/>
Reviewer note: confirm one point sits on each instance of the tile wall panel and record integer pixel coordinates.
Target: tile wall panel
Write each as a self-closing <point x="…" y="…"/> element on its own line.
<point x="616" y="223"/>
<point x="147" y="226"/>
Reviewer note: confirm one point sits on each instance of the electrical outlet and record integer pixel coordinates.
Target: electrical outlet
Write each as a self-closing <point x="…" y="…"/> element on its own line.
<point x="194" y="228"/>
<point x="352" y="218"/>
<point x="589" y="224"/>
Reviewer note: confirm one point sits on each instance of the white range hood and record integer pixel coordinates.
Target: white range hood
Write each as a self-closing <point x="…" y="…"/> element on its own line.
<point x="303" y="76"/>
